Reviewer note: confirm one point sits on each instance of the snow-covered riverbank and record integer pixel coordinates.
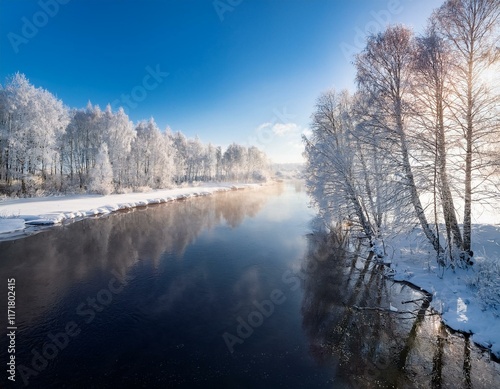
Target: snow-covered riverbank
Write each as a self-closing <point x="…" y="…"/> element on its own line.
<point x="467" y="299"/>
<point x="18" y="214"/>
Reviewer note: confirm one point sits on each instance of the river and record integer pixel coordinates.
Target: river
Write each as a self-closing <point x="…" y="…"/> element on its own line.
<point x="232" y="290"/>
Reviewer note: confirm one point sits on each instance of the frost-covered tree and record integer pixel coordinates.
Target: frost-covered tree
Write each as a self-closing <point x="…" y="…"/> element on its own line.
<point x="234" y="161"/>
<point x="218" y="157"/>
<point x="31" y="122"/>
<point x="209" y="162"/>
<point x="81" y="143"/>
<point x="118" y="133"/>
<point x="431" y="95"/>
<point x="168" y="159"/>
<point x="101" y="175"/>
<point x="179" y="143"/>
<point x="258" y="166"/>
<point x="150" y="156"/>
<point x="194" y="159"/>
<point x="345" y="177"/>
<point x="472" y="28"/>
<point x="384" y="72"/>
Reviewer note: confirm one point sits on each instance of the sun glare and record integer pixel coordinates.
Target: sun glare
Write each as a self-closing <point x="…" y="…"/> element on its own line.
<point x="491" y="75"/>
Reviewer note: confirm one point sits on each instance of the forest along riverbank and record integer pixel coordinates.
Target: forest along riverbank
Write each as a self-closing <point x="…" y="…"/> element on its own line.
<point x="382" y="333"/>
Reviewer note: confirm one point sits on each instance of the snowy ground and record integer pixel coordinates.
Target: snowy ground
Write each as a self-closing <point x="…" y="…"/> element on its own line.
<point x="468" y="300"/>
<point x="18" y="214"/>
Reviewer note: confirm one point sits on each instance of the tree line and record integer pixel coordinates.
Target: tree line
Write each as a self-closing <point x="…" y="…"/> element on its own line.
<point x="47" y="147"/>
<point x="418" y="141"/>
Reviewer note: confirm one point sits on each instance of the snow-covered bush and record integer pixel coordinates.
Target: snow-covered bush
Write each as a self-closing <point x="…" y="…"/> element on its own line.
<point x="33" y="186"/>
<point x="124" y="190"/>
<point x="486" y="282"/>
<point x="142" y="189"/>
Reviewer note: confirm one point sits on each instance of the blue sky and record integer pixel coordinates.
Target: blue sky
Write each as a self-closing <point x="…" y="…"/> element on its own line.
<point x="247" y="71"/>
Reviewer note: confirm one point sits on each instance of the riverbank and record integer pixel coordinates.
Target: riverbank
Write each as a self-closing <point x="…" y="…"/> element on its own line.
<point x="468" y="300"/>
<point x="18" y="215"/>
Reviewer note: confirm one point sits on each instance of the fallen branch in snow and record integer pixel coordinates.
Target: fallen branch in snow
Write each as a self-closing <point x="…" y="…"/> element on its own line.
<point x="414" y="301"/>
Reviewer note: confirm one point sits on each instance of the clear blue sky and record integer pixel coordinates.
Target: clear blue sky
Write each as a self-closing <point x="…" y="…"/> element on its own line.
<point x="247" y="71"/>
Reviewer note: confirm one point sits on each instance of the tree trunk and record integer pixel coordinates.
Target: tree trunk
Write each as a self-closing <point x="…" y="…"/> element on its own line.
<point x="468" y="161"/>
<point x="450" y="217"/>
<point x="410" y="182"/>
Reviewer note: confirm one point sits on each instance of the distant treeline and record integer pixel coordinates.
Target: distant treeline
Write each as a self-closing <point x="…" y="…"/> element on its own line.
<point x="46" y="147"/>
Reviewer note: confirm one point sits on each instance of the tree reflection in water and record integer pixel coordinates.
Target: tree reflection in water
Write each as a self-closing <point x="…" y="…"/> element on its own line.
<point x="348" y="321"/>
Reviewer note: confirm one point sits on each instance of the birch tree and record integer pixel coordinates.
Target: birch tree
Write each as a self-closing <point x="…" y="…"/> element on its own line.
<point x="81" y="142"/>
<point x="118" y="133"/>
<point x="344" y="177"/>
<point x="472" y="27"/>
<point x="432" y="91"/>
<point x="150" y="156"/>
<point x="384" y="72"/>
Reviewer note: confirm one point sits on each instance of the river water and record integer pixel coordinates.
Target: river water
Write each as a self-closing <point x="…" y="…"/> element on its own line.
<point x="228" y="291"/>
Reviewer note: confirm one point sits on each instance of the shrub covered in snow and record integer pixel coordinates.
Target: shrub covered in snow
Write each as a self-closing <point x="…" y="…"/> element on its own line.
<point x="486" y="282"/>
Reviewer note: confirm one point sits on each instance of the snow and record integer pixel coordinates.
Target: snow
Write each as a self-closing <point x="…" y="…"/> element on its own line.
<point x="467" y="299"/>
<point x="11" y="225"/>
<point x="17" y="214"/>
<point x="378" y="248"/>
